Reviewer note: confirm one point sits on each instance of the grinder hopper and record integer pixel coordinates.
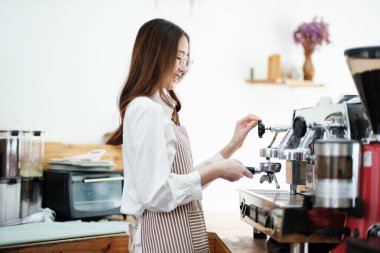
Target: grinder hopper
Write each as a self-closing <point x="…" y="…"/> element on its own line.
<point x="364" y="64"/>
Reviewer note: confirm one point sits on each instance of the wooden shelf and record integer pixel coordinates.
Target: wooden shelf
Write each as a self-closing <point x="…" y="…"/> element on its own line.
<point x="285" y="82"/>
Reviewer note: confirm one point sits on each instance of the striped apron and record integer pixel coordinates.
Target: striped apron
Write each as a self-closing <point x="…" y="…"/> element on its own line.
<point x="183" y="229"/>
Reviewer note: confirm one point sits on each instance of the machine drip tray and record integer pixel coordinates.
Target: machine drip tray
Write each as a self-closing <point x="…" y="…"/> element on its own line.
<point x="276" y="198"/>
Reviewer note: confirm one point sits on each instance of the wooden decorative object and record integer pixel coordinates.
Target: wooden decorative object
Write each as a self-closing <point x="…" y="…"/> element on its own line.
<point x="308" y="68"/>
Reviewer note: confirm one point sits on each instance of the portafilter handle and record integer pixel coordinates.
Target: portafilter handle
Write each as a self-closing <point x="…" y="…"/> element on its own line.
<point x="254" y="170"/>
<point x="266" y="167"/>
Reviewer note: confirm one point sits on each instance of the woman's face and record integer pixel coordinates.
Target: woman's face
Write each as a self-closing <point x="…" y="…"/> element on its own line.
<point x="182" y="62"/>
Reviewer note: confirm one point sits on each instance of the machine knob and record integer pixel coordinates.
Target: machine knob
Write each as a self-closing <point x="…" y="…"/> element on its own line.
<point x="261" y="129"/>
<point x="269" y="222"/>
<point x="244" y="210"/>
<point x="374" y="231"/>
<point x="299" y="127"/>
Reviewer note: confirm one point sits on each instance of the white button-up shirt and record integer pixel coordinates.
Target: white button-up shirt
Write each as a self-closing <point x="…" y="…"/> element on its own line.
<point x="148" y="153"/>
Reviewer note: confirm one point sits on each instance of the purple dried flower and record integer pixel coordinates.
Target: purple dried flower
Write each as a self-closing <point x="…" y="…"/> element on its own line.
<point x="312" y="34"/>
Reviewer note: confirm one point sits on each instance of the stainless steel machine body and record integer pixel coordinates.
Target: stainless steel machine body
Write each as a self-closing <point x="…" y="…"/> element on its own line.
<point x="290" y="216"/>
<point x="282" y="216"/>
<point x="338" y="121"/>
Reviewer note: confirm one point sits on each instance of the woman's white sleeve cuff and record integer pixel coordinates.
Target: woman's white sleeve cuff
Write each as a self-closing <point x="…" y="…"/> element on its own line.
<point x="215" y="158"/>
<point x="196" y="181"/>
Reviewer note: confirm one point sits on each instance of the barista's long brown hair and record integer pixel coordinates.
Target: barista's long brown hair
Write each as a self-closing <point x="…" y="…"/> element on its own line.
<point x="153" y="60"/>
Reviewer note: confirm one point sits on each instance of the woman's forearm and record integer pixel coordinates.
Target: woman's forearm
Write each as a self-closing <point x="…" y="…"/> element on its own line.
<point x="209" y="174"/>
<point x="228" y="169"/>
<point x="229" y="149"/>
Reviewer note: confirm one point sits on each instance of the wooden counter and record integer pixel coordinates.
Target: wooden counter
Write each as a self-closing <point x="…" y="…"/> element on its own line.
<point x="118" y="243"/>
<point x="226" y="232"/>
<point x="114" y="243"/>
<point x="234" y="233"/>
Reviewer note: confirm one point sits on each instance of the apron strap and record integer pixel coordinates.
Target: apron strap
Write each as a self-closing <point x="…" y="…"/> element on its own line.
<point x="132" y="227"/>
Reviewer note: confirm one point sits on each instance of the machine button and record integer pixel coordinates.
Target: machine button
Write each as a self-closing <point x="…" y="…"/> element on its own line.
<point x="355" y="233"/>
<point x="269" y="222"/>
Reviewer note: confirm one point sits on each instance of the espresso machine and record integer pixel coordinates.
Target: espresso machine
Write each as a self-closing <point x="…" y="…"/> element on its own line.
<point x="332" y="155"/>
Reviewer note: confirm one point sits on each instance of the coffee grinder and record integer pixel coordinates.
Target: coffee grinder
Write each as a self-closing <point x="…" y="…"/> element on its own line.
<point x="363" y="220"/>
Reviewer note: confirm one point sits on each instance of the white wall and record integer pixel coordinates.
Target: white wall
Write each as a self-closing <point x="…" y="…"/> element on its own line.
<point x="62" y="64"/>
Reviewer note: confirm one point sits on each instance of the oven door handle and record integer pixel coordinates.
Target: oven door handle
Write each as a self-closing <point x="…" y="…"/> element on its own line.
<point x="103" y="179"/>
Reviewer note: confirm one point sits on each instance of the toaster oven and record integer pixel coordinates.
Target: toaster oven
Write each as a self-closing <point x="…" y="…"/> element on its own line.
<point x="79" y="195"/>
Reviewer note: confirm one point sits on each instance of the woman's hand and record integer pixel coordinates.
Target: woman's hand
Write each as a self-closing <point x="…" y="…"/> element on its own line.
<point x="242" y="129"/>
<point x="232" y="170"/>
<point x="228" y="169"/>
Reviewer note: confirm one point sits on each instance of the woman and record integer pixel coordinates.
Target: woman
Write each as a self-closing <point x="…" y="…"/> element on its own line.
<point x="162" y="189"/>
